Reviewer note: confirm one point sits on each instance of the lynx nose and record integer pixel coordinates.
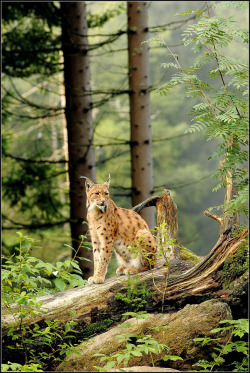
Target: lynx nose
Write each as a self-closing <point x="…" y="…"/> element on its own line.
<point x="102" y="203"/>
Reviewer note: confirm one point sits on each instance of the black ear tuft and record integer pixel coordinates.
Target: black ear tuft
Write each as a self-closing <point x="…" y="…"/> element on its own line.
<point x="108" y="181"/>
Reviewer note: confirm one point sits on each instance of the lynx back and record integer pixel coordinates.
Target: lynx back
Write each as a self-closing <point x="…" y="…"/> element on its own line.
<point x="114" y="228"/>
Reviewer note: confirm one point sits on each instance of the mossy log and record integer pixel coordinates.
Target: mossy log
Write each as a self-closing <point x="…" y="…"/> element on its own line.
<point x="93" y="300"/>
<point x="90" y="300"/>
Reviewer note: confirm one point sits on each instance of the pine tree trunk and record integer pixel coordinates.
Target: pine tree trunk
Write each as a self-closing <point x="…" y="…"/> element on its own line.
<point x="140" y="122"/>
<point x="79" y="117"/>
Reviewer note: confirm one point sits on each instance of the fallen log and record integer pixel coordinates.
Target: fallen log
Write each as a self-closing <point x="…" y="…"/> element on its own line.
<point x="205" y="275"/>
<point x="90" y="300"/>
<point x="59" y="305"/>
<point x="181" y="328"/>
<point x="186" y="279"/>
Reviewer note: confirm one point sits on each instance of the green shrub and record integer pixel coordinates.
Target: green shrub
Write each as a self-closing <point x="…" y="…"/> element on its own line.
<point x="24" y="278"/>
<point x="223" y="352"/>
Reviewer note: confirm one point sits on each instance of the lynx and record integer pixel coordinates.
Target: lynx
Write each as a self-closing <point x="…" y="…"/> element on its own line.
<point x="114" y="228"/>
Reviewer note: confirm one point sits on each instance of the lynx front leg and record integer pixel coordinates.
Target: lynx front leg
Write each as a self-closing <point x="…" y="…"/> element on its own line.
<point x="102" y="263"/>
<point x="96" y="255"/>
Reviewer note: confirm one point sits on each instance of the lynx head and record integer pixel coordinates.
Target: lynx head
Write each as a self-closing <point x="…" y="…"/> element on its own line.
<point x="97" y="194"/>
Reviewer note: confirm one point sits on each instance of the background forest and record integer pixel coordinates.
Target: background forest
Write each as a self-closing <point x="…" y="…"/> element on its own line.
<point x="154" y="94"/>
<point x="35" y="179"/>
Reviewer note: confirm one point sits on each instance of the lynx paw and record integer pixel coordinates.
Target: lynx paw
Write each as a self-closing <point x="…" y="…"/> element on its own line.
<point x="131" y="271"/>
<point x="120" y="271"/>
<point x="95" y="280"/>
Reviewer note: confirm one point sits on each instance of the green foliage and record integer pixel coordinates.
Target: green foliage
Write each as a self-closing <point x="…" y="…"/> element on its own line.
<point x="222" y="110"/>
<point x="43" y="344"/>
<point x="98" y="20"/>
<point x="238" y="328"/>
<point x="35" y="188"/>
<point x="135" y="346"/>
<point x="25" y="277"/>
<point x="15" y="367"/>
<point x="35" y="47"/>
<point x="48" y="12"/>
<point x="24" y="123"/>
<point x="163" y="243"/>
<point x="136" y="296"/>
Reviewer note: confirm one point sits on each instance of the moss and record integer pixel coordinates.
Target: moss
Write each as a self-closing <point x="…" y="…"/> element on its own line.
<point x="96" y="328"/>
<point x="136" y="296"/>
<point x="234" y="266"/>
<point x="189" y="256"/>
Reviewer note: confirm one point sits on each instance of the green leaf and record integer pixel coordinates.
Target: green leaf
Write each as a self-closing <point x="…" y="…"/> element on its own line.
<point x="110" y="364"/>
<point x="60" y="284"/>
<point x="136" y="353"/>
<point x="171" y="357"/>
<point x="69" y="247"/>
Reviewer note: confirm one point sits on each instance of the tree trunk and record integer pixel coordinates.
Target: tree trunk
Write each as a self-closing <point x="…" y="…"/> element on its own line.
<point x="79" y="118"/>
<point x="167" y="220"/>
<point x="228" y="221"/>
<point x="139" y="99"/>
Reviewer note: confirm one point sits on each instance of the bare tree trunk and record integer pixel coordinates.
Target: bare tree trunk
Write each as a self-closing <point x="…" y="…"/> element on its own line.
<point x="78" y="116"/>
<point x="227" y="221"/>
<point x="167" y="217"/>
<point x="167" y="220"/>
<point x="140" y="122"/>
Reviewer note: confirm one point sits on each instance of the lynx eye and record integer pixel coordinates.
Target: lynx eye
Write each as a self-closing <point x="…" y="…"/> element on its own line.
<point x="106" y="194"/>
<point x="97" y="194"/>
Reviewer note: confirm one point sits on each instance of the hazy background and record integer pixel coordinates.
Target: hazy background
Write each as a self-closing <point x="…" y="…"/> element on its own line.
<point x="180" y="163"/>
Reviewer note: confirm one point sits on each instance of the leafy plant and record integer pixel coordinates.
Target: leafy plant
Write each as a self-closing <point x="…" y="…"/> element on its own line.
<point x="135" y="345"/>
<point x="24" y="278"/>
<point x="222" y="108"/>
<point x="136" y="295"/>
<point x="15" y="367"/>
<point x="238" y="328"/>
<point x="164" y="244"/>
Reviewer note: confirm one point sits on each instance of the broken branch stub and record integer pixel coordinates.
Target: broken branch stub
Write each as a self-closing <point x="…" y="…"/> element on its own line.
<point x="167" y="219"/>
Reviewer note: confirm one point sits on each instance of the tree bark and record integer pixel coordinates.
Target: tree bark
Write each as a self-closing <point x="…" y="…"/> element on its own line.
<point x="228" y="221"/>
<point x="139" y="99"/>
<point x="79" y="118"/>
<point x="167" y="220"/>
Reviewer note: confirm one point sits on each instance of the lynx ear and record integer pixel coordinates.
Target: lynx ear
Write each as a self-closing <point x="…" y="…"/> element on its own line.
<point x="88" y="183"/>
<point x="108" y="181"/>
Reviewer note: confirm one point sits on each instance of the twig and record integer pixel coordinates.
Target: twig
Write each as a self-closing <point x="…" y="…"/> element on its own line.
<point x="213" y="216"/>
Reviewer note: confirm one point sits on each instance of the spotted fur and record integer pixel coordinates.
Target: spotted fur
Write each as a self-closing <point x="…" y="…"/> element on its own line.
<point x="115" y="228"/>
